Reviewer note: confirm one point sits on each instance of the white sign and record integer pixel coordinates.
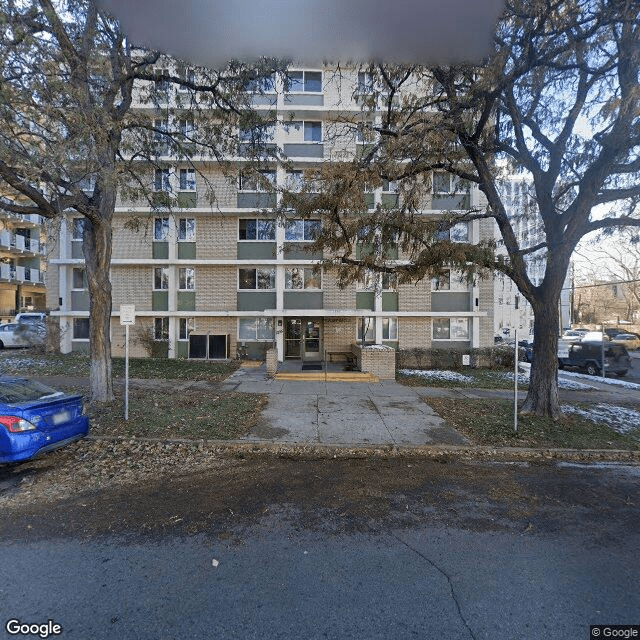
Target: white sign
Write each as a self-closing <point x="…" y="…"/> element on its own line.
<point x="127" y="314"/>
<point x="466" y="360"/>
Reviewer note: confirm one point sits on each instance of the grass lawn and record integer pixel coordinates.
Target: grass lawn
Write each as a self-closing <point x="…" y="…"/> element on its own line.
<point x="466" y="378"/>
<point x="490" y="422"/>
<point x="25" y="362"/>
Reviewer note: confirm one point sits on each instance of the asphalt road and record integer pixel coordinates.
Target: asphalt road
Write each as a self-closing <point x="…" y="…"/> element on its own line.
<point x="333" y="549"/>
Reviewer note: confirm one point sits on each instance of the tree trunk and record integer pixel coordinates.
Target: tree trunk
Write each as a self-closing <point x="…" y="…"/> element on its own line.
<point x="542" y="398"/>
<point x="97" y="246"/>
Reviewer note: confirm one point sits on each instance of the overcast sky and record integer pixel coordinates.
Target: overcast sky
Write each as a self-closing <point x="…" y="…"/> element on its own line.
<point x="211" y="32"/>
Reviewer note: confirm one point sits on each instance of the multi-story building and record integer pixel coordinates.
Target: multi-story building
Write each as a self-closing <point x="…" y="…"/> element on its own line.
<point x="22" y="262"/>
<point x="223" y="270"/>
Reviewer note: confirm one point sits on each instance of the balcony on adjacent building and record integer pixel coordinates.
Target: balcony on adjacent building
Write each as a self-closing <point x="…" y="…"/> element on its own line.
<point x="12" y="273"/>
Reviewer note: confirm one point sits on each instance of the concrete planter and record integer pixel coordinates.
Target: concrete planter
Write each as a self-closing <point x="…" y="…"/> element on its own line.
<point x="376" y="359"/>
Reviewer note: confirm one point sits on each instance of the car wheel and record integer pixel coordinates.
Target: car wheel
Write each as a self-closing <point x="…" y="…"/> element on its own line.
<point x="592" y="369"/>
<point x="1" y="344"/>
<point x="560" y="364"/>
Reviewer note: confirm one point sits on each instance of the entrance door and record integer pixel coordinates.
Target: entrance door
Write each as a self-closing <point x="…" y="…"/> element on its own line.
<point x="303" y="338"/>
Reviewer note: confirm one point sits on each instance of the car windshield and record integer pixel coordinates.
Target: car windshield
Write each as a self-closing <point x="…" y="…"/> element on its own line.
<point x="15" y="391"/>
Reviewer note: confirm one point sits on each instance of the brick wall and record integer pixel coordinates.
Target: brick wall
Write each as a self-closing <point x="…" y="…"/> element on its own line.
<point x="414" y="332"/>
<point x="216" y="237"/>
<point x="132" y="285"/>
<point x="339" y="333"/>
<point x="216" y="288"/>
<point x="380" y="362"/>
<point x="128" y="243"/>
<point x="334" y="297"/>
<point x="415" y="296"/>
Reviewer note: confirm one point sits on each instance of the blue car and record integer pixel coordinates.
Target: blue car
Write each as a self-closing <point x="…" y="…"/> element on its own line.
<point x="35" y="419"/>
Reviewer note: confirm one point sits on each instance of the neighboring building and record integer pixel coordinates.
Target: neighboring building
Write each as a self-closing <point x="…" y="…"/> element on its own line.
<point x="210" y="280"/>
<point x="512" y="310"/>
<point x="22" y="264"/>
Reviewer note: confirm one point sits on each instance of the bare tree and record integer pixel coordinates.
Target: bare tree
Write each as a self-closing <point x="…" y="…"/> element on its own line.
<point x="558" y="100"/>
<point x="78" y="123"/>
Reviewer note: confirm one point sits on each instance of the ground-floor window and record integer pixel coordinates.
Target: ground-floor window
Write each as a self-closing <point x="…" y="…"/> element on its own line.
<point x="81" y="328"/>
<point x="450" y="329"/>
<point x="367" y="327"/>
<point x="185" y="327"/>
<point x="161" y="328"/>
<point x="256" y="329"/>
<point x="389" y="328"/>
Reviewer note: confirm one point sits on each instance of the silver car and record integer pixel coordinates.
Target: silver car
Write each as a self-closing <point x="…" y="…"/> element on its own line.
<point x="19" y="334"/>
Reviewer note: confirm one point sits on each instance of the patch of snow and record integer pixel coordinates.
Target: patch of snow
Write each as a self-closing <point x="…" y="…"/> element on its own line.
<point x="378" y="347"/>
<point x="523" y="378"/>
<point x="437" y="375"/>
<point x="620" y="419"/>
<point x="584" y="376"/>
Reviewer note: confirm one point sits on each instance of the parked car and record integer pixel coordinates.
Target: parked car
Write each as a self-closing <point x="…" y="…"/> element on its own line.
<point x="572" y="335"/>
<point x="31" y="317"/>
<point x="36" y="419"/>
<point x="629" y="340"/>
<point x="595" y="336"/>
<point x="525" y="350"/>
<point x="16" y="334"/>
<point x="587" y="356"/>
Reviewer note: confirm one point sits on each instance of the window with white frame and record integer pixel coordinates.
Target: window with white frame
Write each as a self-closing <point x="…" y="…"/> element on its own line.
<point x="459" y="232"/>
<point x="250" y="328"/>
<point x="256" y="279"/>
<point x="450" y="329"/>
<point x="257" y="134"/>
<point x="263" y="182"/>
<point x="162" y="180"/>
<point x="187" y="180"/>
<point x="444" y="182"/>
<point x="302" y="230"/>
<point x="160" y="278"/>
<point x="367" y="282"/>
<point x="77" y="228"/>
<point x="389" y="328"/>
<point x="390" y="186"/>
<point x="187" y="127"/>
<point x="261" y="84"/>
<point x="367" y="326"/>
<point x="441" y="282"/>
<point x="302" y="278"/>
<point x="187" y="75"/>
<point x="389" y="281"/>
<point x="161" y="79"/>
<point x="161" y="328"/>
<point x="186" y="230"/>
<point x="160" y="229"/>
<point x="79" y="278"/>
<point x="185" y="327"/>
<point x="160" y="139"/>
<point x="256" y="229"/>
<point x="186" y="279"/>
<point x="305" y="81"/>
<point x="294" y="180"/>
<point x="304" y="131"/>
<point x="81" y="328"/>
<point x="365" y="82"/>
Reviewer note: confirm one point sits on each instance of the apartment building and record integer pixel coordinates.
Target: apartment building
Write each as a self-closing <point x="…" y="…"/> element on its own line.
<point x="223" y="271"/>
<point x="22" y="261"/>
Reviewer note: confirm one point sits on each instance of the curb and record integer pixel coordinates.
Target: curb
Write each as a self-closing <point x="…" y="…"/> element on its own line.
<point x="441" y="453"/>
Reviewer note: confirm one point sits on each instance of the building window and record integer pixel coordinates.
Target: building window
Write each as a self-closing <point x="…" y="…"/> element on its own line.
<point x="365" y="82"/>
<point x="162" y="180"/>
<point x="79" y="278"/>
<point x="161" y="328"/>
<point x="258" y="134"/>
<point x="256" y="229"/>
<point x="160" y="229"/>
<point x="256" y="278"/>
<point x="441" y="282"/>
<point x="305" y="81"/>
<point x="160" y="278"/>
<point x="255" y="329"/>
<point x="367" y="282"/>
<point x="302" y="230"/>
<point x="390" y="186"/>
<point x="77" y="228"/>
<point x="186" y="75"/>
<point x="81" y="328"/>
<point x="304" y="131"/>
<point x="389" y="328"/>
<point x="161" y="79"/>
<point x="312" y="131"/>
<point x="186" y="230"/>
<point x="302" y="278"/>
<point x="367" y="326"/>
<point x="457" y="233"/>
<point x="389" y="281"/>
<point x="186" y="279"/>
<point x="252" y="182"/>
<point x="185" y="327"/>
<point x="450" y="329"/>
<point x="187" y="180"/>
<point x="262" y="84"/>
<point x="448" y="183"/>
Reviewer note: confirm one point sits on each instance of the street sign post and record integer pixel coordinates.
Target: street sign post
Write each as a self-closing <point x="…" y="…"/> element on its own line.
<point x="127" y="318"/>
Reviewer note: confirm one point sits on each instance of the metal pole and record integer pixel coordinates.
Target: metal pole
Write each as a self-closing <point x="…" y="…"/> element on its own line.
<point x="126" y="372"/>
<point x="604" y="375"/>
<point x="515" y="386"/>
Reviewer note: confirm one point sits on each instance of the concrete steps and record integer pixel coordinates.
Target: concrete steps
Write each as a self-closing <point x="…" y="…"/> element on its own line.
<point x="321" y="376"/>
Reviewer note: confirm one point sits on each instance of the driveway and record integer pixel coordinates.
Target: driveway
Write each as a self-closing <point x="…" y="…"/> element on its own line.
<point x="342" y="413"/>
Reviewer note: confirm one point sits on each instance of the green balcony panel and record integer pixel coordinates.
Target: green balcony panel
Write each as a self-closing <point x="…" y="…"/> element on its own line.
<point x="186" y="250"/>
<point x="363" y="250"/>
<point x="187" y="199"/>
<point x="160" y="251"/>
<point x="446" y="202"/>
<point x="390" y="200"/>
<point x="160" y="301"/>
<point x="391" y="252"/>
<point x="256" y="300"/>
<point x="300" y="251"/>
<point x="450" y="301"/>
<point x="79" y="301"/>
<point x="256" y="250"/>
<point x="186" y="301"/>
<point x="365" y="300"/>
<point x="76" y="250"/>
<point x="182" y="348"/>
<point x="389" y="301"/>
<point x="369" y="199"/>
<point x="256" y="200"/>
<point x="303" y="299"/>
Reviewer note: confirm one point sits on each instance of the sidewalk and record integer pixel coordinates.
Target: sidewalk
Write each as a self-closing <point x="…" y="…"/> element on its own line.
<point x="310" y="412"/>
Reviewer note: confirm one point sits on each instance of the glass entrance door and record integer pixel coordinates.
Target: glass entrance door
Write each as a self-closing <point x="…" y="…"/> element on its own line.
<point x="303" y="338"/>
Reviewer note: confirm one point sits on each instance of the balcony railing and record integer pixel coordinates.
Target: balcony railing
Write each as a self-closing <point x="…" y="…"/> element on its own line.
<point x="20" y="274"/>
<point x="19" y="243"/>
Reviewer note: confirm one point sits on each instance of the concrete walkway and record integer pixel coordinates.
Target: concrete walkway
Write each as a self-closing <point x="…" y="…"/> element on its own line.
<point x="341" y="413"/>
